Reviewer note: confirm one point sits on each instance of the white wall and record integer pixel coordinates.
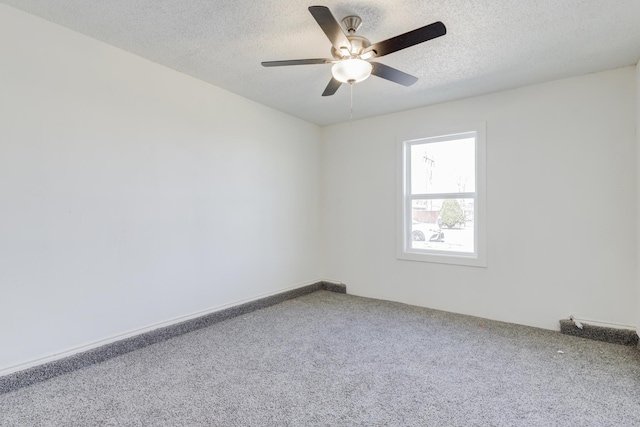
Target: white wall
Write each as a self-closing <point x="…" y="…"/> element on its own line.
<point x="638" y="187"/>
<point x="561" y="178"/>
<point x="131" y="194"/>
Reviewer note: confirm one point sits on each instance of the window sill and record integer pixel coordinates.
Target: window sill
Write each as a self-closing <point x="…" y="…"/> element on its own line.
<point x="457" y="259"/>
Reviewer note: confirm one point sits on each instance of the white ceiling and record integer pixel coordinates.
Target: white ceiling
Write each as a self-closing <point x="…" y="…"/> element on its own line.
<point x="490" y="45"/>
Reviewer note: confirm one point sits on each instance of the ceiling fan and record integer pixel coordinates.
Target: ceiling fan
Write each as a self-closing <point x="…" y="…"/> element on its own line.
<point x="351" y="53"/>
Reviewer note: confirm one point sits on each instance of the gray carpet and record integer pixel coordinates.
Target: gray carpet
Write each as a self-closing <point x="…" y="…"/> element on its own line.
<point x="328" y="359"/>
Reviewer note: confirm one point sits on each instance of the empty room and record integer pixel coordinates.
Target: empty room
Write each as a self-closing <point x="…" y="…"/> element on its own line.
<point x="285" y="213"/>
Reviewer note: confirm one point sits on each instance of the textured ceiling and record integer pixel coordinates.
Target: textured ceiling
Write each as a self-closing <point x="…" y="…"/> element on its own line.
<point x="490" y="45"/>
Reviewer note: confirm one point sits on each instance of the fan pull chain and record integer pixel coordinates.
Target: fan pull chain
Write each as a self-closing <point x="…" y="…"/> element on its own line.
<point x="351" y="107"/>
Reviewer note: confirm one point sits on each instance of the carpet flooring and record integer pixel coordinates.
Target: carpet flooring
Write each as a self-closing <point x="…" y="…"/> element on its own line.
<point x="328" y="359"/>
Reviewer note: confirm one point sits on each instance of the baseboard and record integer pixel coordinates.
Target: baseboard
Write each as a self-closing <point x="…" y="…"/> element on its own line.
<point x="613" y="335"/>
<point x="139" y="331"/>
<point x="66" y="364"/>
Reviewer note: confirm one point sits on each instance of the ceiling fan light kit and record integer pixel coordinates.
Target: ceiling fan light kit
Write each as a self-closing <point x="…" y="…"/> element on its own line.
<point x="352" y="53"/>
<point x="352" y="70"/>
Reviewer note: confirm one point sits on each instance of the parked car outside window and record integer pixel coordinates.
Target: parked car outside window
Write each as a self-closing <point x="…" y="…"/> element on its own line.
<point x="421" y="231"/>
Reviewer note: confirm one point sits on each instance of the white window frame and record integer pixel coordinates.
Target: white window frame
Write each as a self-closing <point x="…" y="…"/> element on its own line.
<point x="404" y="213"/>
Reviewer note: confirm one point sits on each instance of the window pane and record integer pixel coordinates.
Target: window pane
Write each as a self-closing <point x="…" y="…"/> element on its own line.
<point x="443" y="167"/>
<point x="443" y="225"/>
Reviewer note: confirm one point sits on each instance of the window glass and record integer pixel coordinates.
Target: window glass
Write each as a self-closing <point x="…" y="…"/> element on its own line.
<point x="443" y="167"/>
<point x="441" y="194"/>
<point x="443" y="225"/>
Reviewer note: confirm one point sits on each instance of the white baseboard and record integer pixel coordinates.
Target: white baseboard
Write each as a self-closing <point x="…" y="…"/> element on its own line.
<point x="99" y="343"/>
<point x="606" y="324"/>
<point x="335" y="282"/>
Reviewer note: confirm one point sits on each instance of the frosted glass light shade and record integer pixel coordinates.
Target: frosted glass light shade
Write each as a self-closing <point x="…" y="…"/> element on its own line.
<point x="351" y="70"/>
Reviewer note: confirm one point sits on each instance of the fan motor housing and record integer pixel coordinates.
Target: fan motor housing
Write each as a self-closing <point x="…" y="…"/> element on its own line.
<point x="358" y="45"/>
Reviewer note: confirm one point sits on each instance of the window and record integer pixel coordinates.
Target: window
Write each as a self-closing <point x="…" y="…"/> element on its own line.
<point x="441" y="214"/>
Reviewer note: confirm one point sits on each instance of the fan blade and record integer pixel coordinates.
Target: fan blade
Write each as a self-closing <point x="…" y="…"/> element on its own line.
<point x="332" y="87"/>
<point x="330" y="26"/>
<point x="391" y="74"/>
<point x="409" y="39"/>
<point x="296" y="62"/>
